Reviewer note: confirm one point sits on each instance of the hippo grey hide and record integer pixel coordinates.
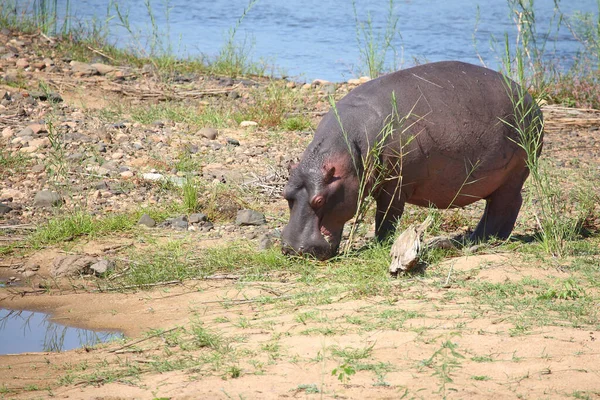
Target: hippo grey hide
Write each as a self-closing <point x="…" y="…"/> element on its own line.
<point x="452" y="144"/>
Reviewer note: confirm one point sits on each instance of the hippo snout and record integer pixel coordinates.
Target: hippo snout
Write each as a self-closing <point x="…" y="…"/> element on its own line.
<point x="315" y="247"/>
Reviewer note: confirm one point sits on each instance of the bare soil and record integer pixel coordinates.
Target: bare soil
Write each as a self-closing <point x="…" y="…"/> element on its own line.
<point x="429" y="340"/>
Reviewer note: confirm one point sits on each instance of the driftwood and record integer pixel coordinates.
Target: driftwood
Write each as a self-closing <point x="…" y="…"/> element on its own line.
<point x="405" y="250"/>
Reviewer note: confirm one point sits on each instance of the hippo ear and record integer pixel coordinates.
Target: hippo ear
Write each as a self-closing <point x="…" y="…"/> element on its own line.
<point x="329" y="173"/>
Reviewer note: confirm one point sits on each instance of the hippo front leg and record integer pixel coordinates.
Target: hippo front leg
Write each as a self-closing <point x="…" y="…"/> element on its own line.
<point x="390" y="207"/>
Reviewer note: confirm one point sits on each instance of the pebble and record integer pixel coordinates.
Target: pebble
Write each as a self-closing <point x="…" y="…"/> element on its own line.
<point x="147" y="220"/>
<point x="152" y="176"/>
<point x="7" y="133"/>
<point x="26" y="132"/>
<point x="233" y="142"/>
<point x="249" y="218"/>
<point x="102" y="267"/>
<point x="180" y="223"/>
<point x="47" y="198"/>
<point x="103" y="69"/>
<point x="197" y="217"/>
<point x="22" y="63"/>
<point x="245" y="124"/>
<point x="126" y="174"/>
<point x="209" y="133"/>
<point x="265" y="242"/>
<point x="36" y="169"/>
<point x="5" y="209"/>
<point x="83" y="69"/>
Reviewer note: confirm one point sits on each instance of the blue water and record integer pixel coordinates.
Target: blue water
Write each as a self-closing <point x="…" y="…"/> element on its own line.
<point x="26" y="331"/>
<point x="317" y="38"/>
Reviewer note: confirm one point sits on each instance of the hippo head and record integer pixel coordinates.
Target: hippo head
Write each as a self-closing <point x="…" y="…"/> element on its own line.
<point x="322" y="194"/>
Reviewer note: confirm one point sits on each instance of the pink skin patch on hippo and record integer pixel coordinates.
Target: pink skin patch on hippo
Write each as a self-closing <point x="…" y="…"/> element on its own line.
<point x="328" y="236"/>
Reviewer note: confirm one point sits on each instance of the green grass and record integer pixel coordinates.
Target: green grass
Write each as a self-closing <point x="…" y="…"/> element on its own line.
<point x="181" y="112"/>
<point x="190" y="195"/>
<point x="12" y="163"/>
<point x="75" y="224"/>
<point x="271" y="105"/>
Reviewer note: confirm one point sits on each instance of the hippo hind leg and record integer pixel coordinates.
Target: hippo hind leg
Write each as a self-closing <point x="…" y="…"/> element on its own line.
<point x="501" y="210"/>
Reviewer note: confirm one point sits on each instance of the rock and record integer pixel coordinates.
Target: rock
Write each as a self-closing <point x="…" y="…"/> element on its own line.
<point x="364" y="79"/>
<point x="72" y="265"/>
<point x="28" y="274"/>
<point x="320" y="82"/>
<point x="209" y="133"/>
<point x="103" y="69"/>
<point x="152" y="176"/>
<point x="75" y="157"/>
<point x="52" y="97"/>
<point x="47" y="198"/>
<point x="233" y="95"/>
<point x="354" y="82"/>
<point x="147" y="221"/>
<point x="126" y="174"/>
<point x="180" y="223"/>
<point x="233" y="142"/>
<point x="38" y="168"/>
<point x="26" y="132"/>
<point x="11" y="78"/>
<point x="83" y="69"/>
<point x="118" y="125"/>
<point x="5" y="209"/>
<point x="196" y="218"/>
<point x="207" y="226"/>
<point x="39" y="65"/>
<point x="101" y="267"/>
<point x="39" y="143"/>
<point x="101" y="148"/>
<point x="38" y="128"/>
<point x="245" y="124"/>
<point x="7" y="133"/>
<point x="265" y="242"/>
<point x="22" y="63"/>
<point x="249" y="217"/>
<point x="439" y="242"/>
<point x="290" y="85"/>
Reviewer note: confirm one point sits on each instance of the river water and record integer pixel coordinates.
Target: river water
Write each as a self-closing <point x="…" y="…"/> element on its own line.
<point x="317" y="38"/>
<point x="27" y="331"/>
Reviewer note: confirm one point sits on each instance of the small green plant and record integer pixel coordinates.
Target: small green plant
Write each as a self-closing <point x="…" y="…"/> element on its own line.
<point x="559" y="222"/>
<point x="234" y="57"/>
<point x="234" y="371"/>
<point x="308" y="388"/>
<point x="12" y="162"/>
<point x="344" y="372"/>
<point x="190" y="195"/>
<point x="567" y="289"/>
<point x="270" y="105"/>
<point x="444" y="361"/>
<point x="374" y="46"/>
<point x="300" y="123"/>
<point x="480" y="378"/>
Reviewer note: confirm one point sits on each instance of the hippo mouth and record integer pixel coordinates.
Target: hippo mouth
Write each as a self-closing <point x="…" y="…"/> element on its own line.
<point x="332" y="238"/>
<point x="328" y="236"/>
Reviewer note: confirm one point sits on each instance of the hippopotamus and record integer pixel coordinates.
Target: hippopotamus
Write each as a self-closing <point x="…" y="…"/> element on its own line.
<point x="443" y="134"/>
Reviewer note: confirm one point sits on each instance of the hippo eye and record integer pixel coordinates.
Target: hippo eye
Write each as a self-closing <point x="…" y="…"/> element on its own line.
<point x="317" y="202"/>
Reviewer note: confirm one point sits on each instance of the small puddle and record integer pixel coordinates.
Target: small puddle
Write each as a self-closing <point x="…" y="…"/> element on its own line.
<point x="27" y="331"/>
